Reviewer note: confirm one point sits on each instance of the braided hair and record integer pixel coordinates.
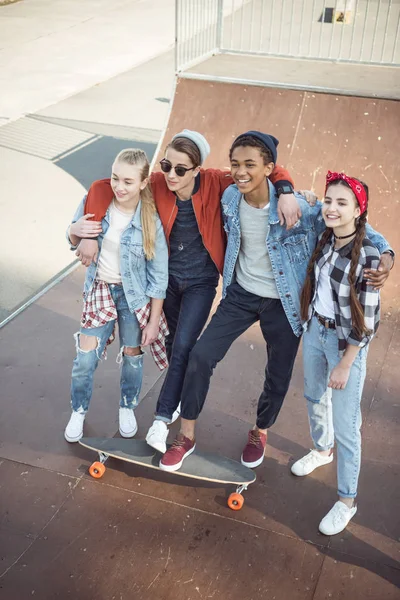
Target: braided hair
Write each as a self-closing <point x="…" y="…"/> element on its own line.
<point x="357" y="313"/>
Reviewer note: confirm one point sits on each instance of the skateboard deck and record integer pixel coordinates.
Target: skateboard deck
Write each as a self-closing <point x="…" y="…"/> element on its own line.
<point x="199" y="465"/>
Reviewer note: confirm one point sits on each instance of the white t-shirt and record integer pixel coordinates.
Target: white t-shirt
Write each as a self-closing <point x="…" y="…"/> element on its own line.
<point x="253" y="266"/>
<point x="109" y="269"/>
<point x="323" y="302"/>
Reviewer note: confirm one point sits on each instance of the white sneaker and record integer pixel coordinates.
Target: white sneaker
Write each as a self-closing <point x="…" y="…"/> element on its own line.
<point x="310" y="462"/>
<point x="127" y="422"/>
<point x="176" y="414"/>
<point x="337" y="518"/>
<point x="157" y="436"/>
<point x="74" y="430"/>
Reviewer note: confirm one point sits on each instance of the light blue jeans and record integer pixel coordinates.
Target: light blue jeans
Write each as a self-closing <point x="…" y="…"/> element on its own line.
<point x="334" y="415"/>
<point x="86" y="362"/>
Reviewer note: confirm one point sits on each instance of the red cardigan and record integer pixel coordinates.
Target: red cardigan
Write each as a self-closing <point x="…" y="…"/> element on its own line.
<point x="206" y="205"/>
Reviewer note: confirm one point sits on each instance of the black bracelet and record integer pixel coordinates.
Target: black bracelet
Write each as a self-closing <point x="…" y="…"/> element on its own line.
<point x="283" y="187"/>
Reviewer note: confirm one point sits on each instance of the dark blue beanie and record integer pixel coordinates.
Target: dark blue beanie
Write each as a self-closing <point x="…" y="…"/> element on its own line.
<point x="269" y="141"/>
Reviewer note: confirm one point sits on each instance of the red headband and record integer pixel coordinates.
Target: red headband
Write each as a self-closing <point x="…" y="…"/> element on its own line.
<point x="355" y="185"/>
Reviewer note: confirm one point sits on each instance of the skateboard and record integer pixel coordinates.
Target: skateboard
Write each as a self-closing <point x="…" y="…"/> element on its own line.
<point x="199" y="465"/>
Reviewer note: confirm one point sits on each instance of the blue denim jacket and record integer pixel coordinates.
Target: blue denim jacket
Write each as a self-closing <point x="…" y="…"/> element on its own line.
<point x="142" y="279"/>
<point x="289" y="251"/>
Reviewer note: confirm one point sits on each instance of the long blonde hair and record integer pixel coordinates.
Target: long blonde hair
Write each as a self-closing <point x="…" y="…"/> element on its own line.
<point x="137" y="157"/>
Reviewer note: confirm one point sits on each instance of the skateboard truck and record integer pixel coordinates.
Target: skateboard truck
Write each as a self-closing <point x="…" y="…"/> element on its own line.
<point x="103" y="457"/>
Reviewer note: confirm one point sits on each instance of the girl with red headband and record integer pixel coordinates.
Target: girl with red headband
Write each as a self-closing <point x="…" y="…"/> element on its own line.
<point x="342" y="314"/>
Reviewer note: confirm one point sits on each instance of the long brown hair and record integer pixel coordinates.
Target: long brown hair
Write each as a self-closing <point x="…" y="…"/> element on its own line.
<point x="357" y="313"/>
<point x="137" y="157"/>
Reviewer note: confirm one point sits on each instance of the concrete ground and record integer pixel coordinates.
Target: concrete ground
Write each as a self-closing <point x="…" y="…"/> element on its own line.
<point x="76" y="89"/>
<point x="139" y="534"/>
<point x="49" y="51"/>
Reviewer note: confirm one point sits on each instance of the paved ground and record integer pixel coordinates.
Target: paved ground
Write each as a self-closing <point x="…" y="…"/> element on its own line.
<point x="50" y="51"/>
<point x="65" y="118"/>
<point x="141" y="534"/>
<point x="138" y="533"/>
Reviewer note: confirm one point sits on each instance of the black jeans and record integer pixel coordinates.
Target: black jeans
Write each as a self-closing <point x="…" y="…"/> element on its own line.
<point x="186" y="307"/>
<point x="236" y="313"/>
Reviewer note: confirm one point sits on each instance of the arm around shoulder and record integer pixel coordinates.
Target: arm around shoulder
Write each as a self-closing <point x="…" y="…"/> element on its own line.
<point x="378" y="240"/>
<point x="82" y="227"/>
<point x="281" y="174"/>
<point x="376" y="276"/>
<point x="369" y="298"/>
<point x="77" y="215"/>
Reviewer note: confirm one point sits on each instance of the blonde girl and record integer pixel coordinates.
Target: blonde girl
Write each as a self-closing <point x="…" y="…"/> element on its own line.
<point x="126" y="283"/>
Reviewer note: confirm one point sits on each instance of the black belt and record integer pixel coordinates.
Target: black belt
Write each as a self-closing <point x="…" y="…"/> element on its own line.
<point x="328" y="323"/>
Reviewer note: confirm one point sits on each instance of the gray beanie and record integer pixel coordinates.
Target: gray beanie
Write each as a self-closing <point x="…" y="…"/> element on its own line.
<point x="198" y="139"/>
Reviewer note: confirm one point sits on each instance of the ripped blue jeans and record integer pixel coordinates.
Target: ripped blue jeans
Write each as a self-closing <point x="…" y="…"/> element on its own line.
<point x="334" y="415"/>
<point x="86" y="362"/>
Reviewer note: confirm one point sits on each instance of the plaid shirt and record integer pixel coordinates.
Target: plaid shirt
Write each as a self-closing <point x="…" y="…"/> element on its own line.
<point x="99" y="308"/>
<point x="157" y="348"/>
<point x="369" y="298"/>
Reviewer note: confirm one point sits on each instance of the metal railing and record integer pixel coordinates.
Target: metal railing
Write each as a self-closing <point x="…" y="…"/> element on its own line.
<point x="355" y="31"/>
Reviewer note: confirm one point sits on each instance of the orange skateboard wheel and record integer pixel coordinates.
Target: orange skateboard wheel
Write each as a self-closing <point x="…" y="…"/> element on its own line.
<point x="97" y="470"/>
<point x="235" y="501"/>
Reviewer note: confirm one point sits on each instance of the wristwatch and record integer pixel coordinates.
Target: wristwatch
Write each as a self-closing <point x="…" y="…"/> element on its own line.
<point x="283" y="187"/>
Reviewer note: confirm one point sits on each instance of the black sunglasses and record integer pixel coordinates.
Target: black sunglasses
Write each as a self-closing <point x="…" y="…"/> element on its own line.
<point x="179" y="171"/>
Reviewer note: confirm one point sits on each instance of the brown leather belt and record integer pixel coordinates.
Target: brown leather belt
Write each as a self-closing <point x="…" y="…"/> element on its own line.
<point x="328" y="323"/>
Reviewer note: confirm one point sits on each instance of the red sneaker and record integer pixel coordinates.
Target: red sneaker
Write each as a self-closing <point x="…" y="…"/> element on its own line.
<point x="175" y="455"/>
<point x="253" y="452"/>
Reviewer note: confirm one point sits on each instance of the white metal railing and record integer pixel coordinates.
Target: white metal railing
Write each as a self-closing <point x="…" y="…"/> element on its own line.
<point x="356" y="31"/>
<point x="198" y="30"/>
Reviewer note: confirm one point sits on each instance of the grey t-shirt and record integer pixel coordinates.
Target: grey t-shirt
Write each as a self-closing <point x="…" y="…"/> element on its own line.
<point x="253" y="266"/>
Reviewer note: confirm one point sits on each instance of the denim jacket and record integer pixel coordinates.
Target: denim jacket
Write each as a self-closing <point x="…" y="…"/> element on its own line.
<point x="289" y="251"/>
<point x="142" y="279"/>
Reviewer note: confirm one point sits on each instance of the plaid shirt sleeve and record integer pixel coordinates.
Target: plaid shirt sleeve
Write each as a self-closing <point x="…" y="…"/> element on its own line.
<point x="98" y="309"/>
<point x="369" y="299"/>
<point x="157" y="348"/>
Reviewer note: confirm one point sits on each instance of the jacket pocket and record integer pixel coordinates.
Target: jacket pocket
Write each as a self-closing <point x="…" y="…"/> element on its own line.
<point x="296" y="248"/>
<point x="136" y="250"/>
<point x="137" y="259"/>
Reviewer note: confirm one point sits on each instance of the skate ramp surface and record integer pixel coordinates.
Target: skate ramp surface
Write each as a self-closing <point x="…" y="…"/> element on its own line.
<point x="317" y="132"/>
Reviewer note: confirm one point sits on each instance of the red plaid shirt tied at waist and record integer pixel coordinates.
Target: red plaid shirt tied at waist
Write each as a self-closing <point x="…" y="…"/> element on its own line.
<point x="99" y="309"/>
